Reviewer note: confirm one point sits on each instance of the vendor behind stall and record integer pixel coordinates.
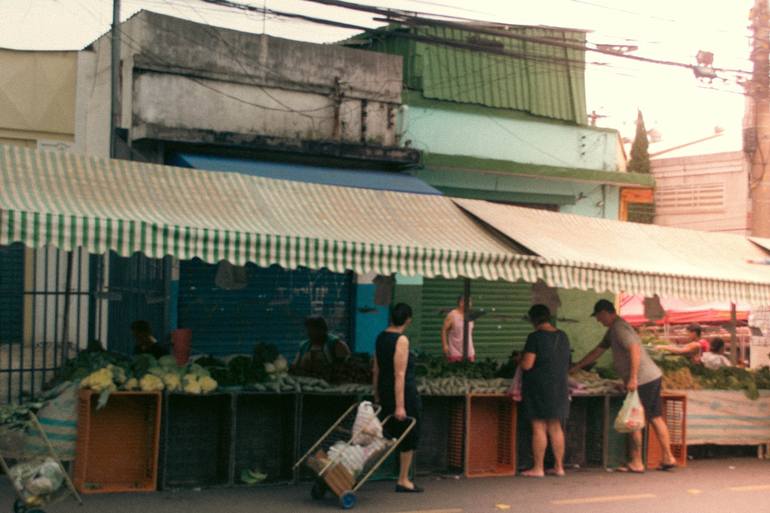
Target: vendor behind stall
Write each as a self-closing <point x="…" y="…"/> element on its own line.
<point x="321" y="349"/>
<point x="145" y="343"/>
<point x="694" y="348"/>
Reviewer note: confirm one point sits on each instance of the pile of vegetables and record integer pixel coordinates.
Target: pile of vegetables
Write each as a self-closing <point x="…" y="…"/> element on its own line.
<point x="593" y="383"/>
<point x="432" y="366"/>
<point x="266" y="365"/>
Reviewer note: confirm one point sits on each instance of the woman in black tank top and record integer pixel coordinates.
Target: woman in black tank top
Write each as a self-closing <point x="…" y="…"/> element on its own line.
<point x="395" y="389"/>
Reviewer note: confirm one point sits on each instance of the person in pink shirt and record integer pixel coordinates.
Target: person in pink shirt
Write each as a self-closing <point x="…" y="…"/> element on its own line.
<point x="695" y="346"/>
<point x="452" y="334"/>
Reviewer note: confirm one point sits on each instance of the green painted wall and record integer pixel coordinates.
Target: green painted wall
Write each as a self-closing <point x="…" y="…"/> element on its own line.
<point x="529" y="141"/>
<point x="585" y="334"/>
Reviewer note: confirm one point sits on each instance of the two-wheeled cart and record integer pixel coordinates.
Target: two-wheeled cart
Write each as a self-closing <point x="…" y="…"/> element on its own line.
<point x="29" y="459"/>
<point x="326" y="458"/>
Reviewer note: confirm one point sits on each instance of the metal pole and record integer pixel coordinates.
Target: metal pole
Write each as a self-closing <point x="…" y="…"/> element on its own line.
<point x="733" y="334"/>
<point x="466" y="317"/>
<point x="115" y="81"/>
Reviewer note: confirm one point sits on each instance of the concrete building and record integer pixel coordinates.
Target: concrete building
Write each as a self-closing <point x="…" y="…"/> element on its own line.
<point x="37" y="98"/>
<point x="499" y="113"/>
<point x="703" y="186"/>
<point x="198" y="96"/>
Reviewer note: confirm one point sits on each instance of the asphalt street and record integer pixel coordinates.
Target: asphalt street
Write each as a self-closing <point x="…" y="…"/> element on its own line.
<point x="709" y="486"/>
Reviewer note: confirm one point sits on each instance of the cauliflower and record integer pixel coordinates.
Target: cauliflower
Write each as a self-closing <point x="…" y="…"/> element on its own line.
<point x="281" y="365"/>
<point x="99" y="381"/>
<point x="172" y="382"/>
<point x="131" y="384"/>
<point x="192" y="387"/>
<point x="151" y="383"/>
<point x="207" y="384"/>
<point x="270" y="368"/>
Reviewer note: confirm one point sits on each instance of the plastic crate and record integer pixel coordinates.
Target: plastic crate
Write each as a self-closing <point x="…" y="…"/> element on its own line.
<point x="197" y="441"/>
<point x="576" y="431"/>
<point x="117" y="446"/>
<point x="490" y="436"/>
<point x="440" y="432"/>
<point x="675" y="415"/>
<point x="265" y="435"/>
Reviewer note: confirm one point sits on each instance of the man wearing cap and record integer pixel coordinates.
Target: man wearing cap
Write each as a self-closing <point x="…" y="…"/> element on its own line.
<point x="639" y="373"/>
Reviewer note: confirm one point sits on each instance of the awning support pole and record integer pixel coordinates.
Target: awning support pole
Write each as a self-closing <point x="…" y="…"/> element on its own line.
<point x="733" y="335"/>
<point x="466" y="317"/>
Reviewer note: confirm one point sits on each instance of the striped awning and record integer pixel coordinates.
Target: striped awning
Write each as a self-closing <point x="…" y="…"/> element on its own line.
<point x="69" y="201"/>
<point x="604" y="255"/>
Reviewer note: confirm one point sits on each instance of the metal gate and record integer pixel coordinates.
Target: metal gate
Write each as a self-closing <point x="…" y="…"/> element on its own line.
<point x="51" y="296"/>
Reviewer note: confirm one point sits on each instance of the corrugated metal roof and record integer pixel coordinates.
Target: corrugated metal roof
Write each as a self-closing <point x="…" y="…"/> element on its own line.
<point x="547" y="81"/>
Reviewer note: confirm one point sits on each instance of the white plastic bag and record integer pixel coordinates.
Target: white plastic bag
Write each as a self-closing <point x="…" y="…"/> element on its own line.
<point x="631" y="415"/>
<point x="367" y="427"/>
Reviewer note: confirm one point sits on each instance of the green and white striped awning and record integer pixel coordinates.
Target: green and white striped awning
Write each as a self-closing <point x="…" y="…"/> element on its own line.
<point x="604" y="255"/>
<point x="69" y="201"/>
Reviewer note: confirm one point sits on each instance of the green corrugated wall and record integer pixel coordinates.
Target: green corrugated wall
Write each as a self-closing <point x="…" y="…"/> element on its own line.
<point x="547" y="81"/>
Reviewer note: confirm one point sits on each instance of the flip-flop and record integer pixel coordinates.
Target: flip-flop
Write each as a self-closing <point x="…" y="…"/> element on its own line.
<point x="552" y="472"/>
<point x="628" y="470"/>
<point x="666" y="467"/>
<point x="527" y="473"/>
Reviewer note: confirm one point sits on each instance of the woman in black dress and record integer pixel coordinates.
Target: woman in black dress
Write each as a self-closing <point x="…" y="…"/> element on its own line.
<point x="545" y="390"/>
<point x="395" y="389"/>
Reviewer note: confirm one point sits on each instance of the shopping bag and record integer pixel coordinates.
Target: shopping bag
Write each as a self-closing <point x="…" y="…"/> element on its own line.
<point x="366" y="427"/>
<point x="631" y="415"/>
<point x="514" y="391"/>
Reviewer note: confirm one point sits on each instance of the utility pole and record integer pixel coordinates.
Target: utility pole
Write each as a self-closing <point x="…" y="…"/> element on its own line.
<point x="115" y="80"/>
<point x="757" y="121"/>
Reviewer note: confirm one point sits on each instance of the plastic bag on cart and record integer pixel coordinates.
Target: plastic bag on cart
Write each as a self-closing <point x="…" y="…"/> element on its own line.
<point x="37" y="478"/>
<point x="631" y="415"/>
<point x="367" y="427"/>
<point x="351" y="456"/>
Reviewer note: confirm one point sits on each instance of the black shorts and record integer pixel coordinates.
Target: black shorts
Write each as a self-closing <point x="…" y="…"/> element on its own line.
<point x="649" y="395"/>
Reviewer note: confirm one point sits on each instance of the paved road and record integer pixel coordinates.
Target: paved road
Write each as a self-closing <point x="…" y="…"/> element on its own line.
<point x="713" y="486"/>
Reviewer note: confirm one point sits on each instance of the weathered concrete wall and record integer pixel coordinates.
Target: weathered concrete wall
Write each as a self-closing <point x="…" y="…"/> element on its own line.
<point x="186" y="75"/>
<point x="37" y="104"/>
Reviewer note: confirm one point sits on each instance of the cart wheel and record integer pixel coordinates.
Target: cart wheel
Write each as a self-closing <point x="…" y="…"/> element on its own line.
<point x="319" y="489"/>
<point x="19" y="506"/>
<point x="347" y="500"/>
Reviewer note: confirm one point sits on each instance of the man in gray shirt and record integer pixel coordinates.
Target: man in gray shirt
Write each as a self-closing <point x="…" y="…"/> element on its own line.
<point x="639" y="373"/>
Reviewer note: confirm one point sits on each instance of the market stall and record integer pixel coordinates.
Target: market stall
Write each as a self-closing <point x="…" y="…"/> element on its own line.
<point x="160" y="211"/>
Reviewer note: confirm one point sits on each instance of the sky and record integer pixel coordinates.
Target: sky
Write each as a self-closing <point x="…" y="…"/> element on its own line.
<point x="673" y="101"/>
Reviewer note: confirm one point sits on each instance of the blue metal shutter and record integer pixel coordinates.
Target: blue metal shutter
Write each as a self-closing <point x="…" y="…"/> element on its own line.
<point x="271" y="308"/>
<point x="497" y="333"/>
<point x="11" y="294"/>
<point x="137" y="292"/>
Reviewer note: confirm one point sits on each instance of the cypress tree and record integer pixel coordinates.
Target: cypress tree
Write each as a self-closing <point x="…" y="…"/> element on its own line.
<point x="640" y="157"/>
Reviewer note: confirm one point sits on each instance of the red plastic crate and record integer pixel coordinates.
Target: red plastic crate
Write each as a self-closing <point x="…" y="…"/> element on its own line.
<point x="490" y="436"/>
<point x="675" y="415"/>
<point x="117" y="446"/>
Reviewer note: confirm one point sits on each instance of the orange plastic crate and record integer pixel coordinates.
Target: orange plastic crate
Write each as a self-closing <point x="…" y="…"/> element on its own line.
<point x="490" y="438"/>
<point x="117" y="446"/>
<point x="675" y="415"/>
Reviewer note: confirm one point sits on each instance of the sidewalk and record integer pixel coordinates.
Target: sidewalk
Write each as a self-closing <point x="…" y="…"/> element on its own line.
<point x="704" y="487"/>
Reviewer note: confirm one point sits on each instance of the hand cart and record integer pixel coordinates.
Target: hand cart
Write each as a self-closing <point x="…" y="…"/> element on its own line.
<point x="333" y="474"/>
<point x="27" y="502"/>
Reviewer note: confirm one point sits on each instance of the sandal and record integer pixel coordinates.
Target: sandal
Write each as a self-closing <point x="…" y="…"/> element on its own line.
<point x="625" y="469"/>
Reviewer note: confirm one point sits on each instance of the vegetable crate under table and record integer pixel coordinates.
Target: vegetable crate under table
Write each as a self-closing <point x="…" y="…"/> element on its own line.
<point x="265" y="437"/>
<point x="442" y="432"/>
<point x="197" y="440"/>
<point x="117" y="446"/>
<point x="490" y="435"/>
<point x="675" y="415"/>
